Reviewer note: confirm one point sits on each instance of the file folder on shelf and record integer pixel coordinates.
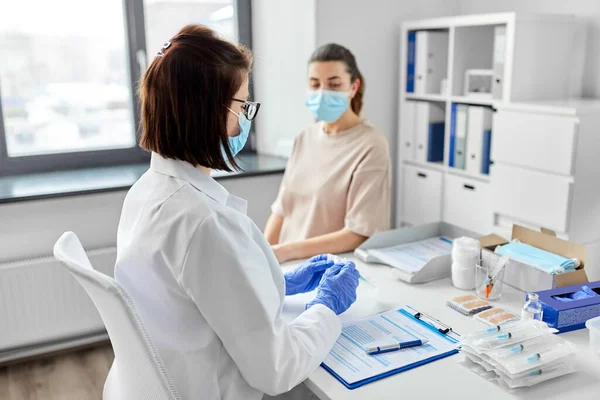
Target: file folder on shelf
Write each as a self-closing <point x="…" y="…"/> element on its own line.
<point x="498" y="62"/>
<point x="410" y="64"/>
<point x="485" y="156"/>
<point x="431" y="61"/>
<point x="460" y="136"/>
<point x="480" y="120"/>
<point x="426" y="113"/>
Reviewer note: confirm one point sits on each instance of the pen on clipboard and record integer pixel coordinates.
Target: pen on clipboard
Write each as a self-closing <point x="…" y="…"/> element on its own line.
<point x="395" y="346"/>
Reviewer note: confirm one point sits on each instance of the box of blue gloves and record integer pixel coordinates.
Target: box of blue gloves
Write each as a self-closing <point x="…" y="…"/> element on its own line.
<point x="567" y="308"/>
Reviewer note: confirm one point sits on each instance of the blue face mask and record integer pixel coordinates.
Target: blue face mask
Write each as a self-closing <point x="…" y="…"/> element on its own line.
<point x="237" y="143"/>
<point x="327" y="105"/>
<point x="537" y="258"/>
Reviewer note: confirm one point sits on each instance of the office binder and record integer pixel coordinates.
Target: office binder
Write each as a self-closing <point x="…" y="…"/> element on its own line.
<point x="410" y="62"/>
<point x="431" y="61"/>
<point x="485" y="154"/>
<point x="407" y="130"/>
<point x="452" y="143"/>
<point x="426" y="114"/>
<point x="480" y="120"/>
<point x="435" y="144"/>
<point x="460" y="140"/>
<point x="498" y="61"/>
<point x="406" y="321"/>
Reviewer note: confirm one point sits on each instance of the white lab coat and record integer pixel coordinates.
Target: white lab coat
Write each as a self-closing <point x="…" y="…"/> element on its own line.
<point x="210" y="290"/>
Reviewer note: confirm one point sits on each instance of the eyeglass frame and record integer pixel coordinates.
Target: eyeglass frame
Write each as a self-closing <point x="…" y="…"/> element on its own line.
<point x="245" y="106"/>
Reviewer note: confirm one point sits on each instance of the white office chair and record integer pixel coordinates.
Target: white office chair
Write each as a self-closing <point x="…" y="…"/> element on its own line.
<point x="137" y="371"/>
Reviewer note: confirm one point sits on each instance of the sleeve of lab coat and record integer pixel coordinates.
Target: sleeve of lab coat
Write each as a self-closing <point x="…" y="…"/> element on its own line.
<point x="227" y="275"/>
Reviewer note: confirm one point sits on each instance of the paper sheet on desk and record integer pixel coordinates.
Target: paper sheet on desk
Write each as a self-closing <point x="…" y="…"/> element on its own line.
<point x="349" y="360"/>
<point x="411" y="257"/>
<point x="366" y="303"/>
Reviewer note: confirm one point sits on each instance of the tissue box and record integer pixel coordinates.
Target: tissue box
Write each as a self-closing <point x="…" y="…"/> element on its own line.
<point x="571" y="315"/>
<point x="528" y="279"/>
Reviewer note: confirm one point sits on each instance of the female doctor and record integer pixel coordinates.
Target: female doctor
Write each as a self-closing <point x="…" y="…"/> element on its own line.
<point x="204" y="280"/>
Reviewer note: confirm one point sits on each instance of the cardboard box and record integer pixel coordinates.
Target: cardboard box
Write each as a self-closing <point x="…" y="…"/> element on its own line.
<point x="571" y="315"/>
<point x="529" y="279"/>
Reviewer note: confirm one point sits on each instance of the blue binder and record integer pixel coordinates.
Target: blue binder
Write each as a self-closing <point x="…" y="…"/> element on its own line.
<point x="435" y="144"/>
<point x="485" y="153"/>
<point x="410" y="63"/>
<point x="430" y="323"/>
<point x="452" y="135"/>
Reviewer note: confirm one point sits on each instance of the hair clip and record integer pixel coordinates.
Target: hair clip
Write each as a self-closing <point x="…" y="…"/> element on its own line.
<point x="164" y="47"/>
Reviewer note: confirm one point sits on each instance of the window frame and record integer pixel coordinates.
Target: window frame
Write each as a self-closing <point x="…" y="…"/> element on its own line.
<point x="137" y="62"/>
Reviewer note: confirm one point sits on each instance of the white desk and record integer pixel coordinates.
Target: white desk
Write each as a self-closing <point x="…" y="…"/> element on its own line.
<point x="442" y="379"/>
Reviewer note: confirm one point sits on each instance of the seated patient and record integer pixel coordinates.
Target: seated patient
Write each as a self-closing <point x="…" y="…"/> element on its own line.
<point x="336" y="189"/>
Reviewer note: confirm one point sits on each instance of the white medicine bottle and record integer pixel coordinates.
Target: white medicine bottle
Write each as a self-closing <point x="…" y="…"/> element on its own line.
<point x="532" y="309"/>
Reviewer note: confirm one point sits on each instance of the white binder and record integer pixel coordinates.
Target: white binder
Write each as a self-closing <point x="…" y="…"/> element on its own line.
<point x="426" y="113"/>
<point x="437" y="268"/>
<point x="460" y="145"/>
<point x="498" y="60"/>
<point x="480" y="120"/>
<point x="431" y="61"/>
<point x="407" y="123"/>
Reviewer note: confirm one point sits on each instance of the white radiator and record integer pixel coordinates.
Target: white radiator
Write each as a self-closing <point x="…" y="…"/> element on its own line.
<point x="41" y="304"/>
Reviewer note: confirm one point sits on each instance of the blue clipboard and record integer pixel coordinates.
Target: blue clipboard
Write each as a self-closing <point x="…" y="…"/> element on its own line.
<point x="422" y="318"/>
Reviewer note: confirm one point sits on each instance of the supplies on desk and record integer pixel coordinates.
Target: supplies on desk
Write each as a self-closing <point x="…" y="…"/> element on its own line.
<point x="496" y="316"/>
<point x="468" y="305"/>
<point x="546" y="247"/>
<point x="466" y="254"/>
<point x="539" y="259"/>
<point x="411" y="257"/>
<point x="568" y="308"/>
<point x="519" y="354"/>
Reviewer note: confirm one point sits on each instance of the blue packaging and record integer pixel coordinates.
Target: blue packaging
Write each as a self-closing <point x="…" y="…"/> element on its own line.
<point x="571" y="315"/>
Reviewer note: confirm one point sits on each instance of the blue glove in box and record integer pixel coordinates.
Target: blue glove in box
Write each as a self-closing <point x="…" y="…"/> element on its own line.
<point x="569" y="315"/>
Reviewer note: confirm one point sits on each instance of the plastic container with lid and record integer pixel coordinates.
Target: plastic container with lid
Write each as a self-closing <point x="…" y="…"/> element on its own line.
<point x="593" y="326"/>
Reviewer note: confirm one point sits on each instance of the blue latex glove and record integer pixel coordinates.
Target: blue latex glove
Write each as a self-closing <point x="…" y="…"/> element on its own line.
<point x="337" y="289"/>
<point x="307" y="276"/>
<point x="584" y="293"/>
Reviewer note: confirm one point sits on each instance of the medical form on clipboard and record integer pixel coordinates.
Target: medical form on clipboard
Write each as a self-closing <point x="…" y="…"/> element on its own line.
<point x="353" y="367"/>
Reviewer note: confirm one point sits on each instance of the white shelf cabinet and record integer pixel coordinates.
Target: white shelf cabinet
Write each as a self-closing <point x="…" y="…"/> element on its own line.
<point x="543" y="62"/>
<point x="546" y="168"/>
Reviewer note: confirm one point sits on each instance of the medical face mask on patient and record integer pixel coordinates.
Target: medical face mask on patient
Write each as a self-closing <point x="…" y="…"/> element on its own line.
<point x="537" y="258"/>
<point x="327" y="105"/>
<point x="237" y="143"/>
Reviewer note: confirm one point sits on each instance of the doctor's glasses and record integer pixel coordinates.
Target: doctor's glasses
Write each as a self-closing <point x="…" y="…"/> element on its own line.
<point x="249" y="108"/>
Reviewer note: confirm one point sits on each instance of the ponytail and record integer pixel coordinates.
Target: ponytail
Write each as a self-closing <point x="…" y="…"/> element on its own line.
<point x="357" y="101"/>
<point x="336" y="52"/>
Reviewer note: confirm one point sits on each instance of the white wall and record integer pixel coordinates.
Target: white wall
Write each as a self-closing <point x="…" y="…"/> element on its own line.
<point x="587" y="10"/>
<point x="283" y="38"/>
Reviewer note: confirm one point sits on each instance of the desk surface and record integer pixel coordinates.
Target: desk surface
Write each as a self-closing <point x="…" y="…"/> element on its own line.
<point x="442" y="379"/>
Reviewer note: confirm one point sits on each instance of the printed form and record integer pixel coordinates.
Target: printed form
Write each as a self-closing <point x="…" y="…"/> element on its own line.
<point x="411" y="257"/>
<point x="349" y="360"/>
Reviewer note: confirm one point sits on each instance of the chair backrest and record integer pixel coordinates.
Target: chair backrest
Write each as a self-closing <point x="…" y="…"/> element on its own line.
<point x="138" y="371"/>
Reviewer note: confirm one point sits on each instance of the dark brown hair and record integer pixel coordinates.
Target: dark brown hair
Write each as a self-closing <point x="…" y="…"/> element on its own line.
<point x="184" y="97"/>
<point x="336" y="52"/>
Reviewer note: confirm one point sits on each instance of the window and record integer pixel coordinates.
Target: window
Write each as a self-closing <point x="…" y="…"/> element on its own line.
<point x="68" y="73"/>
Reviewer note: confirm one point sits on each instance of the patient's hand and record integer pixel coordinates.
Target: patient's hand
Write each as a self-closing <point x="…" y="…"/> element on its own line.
<point x="281" y="253"/>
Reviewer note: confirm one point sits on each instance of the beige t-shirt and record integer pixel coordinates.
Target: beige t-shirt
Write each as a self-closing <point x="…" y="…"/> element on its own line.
<point x="335" y="181"/>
